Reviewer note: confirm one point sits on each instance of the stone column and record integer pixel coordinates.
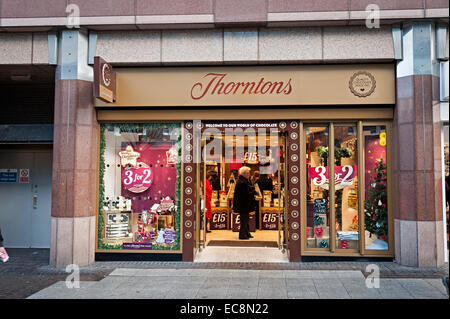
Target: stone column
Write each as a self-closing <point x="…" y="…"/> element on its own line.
<point x="417" y="158"/>
<point x="75" y="154"/>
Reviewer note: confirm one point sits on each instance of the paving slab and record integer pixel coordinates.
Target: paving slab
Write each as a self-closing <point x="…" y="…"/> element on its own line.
<point x="271" y="293"/>
<point x="420" y="289"/>
<point x="309" y="293"/>
<point x="238" y="293"/>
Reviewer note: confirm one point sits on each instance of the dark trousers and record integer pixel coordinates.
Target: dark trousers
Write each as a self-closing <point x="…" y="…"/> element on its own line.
<point x="244" y="230"/>
<point x="257" y="213"/>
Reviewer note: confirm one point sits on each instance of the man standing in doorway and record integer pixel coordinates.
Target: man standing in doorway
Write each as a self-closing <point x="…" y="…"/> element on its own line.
<point x="243" y="201"/>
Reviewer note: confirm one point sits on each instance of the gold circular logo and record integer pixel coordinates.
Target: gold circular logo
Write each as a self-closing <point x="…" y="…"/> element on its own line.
<point x="362" y="84"/>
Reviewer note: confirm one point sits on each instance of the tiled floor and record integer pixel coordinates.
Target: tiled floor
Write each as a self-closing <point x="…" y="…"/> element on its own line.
<point x="241" y="254"/>
<point x="259" y="235"/>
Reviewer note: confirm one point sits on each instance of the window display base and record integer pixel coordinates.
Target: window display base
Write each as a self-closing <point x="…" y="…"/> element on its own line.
<point x="137" y="257"/>
<point x="337" y="258"/>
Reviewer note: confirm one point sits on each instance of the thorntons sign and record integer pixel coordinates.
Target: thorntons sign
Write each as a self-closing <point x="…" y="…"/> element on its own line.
<point x="254" y="85"/>
<point x="215" y="83"/>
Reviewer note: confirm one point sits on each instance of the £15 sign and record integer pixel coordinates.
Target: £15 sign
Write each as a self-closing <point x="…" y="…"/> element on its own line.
<point x="343" y="176"/>
<point x="137" y="179"/>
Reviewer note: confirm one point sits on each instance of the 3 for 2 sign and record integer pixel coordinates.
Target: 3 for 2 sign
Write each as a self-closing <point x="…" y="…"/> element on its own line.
<point x="137" y="180"/>
<point x="343" y="176"/>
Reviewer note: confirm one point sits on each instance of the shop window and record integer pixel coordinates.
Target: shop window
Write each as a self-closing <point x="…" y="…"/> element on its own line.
<point x="317" y="206"/>
<point x="375" y="184"/>
<point x="139" y="195"/>
<point x="346" y="187"/>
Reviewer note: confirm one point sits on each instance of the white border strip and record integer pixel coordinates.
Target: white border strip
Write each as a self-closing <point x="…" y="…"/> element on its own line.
<point x="175" y="19"/>
<point x="110" y="20"/>
<point x="307" y="16"/>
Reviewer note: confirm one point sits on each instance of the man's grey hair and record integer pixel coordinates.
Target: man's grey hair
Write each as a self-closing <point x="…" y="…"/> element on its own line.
<point x="244" y="169"/>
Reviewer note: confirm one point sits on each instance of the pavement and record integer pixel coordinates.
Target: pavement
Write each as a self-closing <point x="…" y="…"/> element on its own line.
<point x="126" y="283"/>
<point x="28" y="275"/>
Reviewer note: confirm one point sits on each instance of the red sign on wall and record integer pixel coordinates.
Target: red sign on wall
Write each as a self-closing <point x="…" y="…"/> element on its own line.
<point x="24" y="175"/>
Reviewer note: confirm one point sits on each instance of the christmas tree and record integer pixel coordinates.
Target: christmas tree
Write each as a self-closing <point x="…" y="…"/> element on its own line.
<point x="375" y="207"/>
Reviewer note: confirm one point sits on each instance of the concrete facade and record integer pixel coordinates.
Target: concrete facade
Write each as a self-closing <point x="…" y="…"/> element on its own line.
<point x="207" y="32"/>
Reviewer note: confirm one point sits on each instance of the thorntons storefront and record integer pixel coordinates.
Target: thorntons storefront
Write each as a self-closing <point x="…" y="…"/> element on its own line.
<point x="342" y="138"/>
<point x="170" y="128"/>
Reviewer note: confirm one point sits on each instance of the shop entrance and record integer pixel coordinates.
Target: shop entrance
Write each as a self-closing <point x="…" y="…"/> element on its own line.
<point x="225" y="148"/>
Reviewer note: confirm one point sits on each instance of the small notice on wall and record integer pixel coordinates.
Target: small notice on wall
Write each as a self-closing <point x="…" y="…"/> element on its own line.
<point x="24" y="175"/>
<point x="8" y="175"/>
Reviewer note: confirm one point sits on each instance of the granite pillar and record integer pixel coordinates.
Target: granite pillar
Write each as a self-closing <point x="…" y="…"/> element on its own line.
<point x="417" y="158"/>
<point x="75" y="156"/>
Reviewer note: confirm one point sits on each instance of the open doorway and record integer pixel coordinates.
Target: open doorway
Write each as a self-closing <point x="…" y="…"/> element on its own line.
<point x="225" y="149"/>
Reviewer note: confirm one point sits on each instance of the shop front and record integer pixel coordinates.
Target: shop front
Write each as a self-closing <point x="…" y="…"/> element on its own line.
<point x="169" y="129"/>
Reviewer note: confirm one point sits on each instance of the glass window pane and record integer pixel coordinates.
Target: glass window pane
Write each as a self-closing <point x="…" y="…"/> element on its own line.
<point x="317" y="231"/>
<point x="346" y="187"/>
<point x="139" y="187"/>
<point x="375" y="181"/>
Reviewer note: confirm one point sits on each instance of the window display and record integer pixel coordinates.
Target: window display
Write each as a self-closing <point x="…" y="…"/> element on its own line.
<point x="354" y="204"/>
<point x="376" y="194"/>
<point x="139" y="193"/>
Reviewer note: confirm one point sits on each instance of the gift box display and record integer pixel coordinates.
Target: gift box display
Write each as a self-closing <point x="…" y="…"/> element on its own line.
<point x="321" y="231"/>
<point x="311" y="243"/>
<point x="322" y="242"/>
<point x="267" y="198"/>
<point x="223" y="199"/>
<point x="320" y="219"/>
<point x="276" y="202"/>
<point x="347" y="244"/>
<point x="309" y="232"/>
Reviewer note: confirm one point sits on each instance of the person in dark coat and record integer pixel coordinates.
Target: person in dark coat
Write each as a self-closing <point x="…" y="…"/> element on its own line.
<point x="244" y="201"/>
<point x="264" y="183"/>
<point x="215" y="181"/>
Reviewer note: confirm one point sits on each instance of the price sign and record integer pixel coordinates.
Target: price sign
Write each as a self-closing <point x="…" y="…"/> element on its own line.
<point x="219" y="220"/>
<point x="236" y="222"/>
<point x="269" y="220"/>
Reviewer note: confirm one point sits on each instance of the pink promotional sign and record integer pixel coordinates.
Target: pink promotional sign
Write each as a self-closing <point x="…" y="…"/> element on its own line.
<point x="137" y="180"/>
<point x="343" y="175"/>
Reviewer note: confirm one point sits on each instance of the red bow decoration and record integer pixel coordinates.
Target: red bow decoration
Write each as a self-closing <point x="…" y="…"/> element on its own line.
<point x="318" y="231"/>
<point x="343" y="244"/>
